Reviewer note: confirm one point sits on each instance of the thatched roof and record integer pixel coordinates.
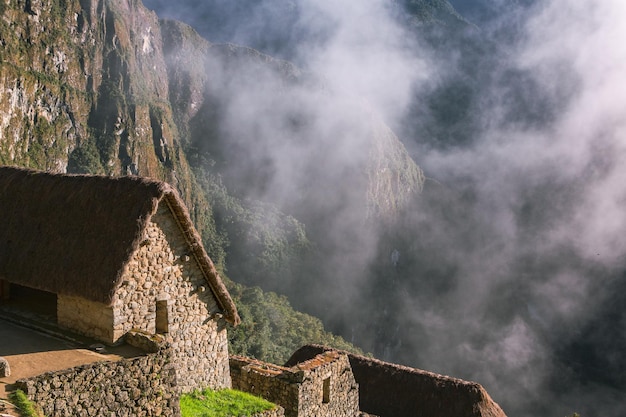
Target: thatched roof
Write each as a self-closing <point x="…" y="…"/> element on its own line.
<point x="389" y="390"/>
<point x="74" y="234"/>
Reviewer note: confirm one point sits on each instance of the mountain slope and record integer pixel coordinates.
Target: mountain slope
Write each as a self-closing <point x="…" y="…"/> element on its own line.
<point x="96" y="87"/>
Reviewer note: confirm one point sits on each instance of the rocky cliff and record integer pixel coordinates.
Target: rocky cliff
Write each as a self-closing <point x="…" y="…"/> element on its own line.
<point x="104" y="86"/>
<point x="85" y="90"/>
<point x="78" y="72"/>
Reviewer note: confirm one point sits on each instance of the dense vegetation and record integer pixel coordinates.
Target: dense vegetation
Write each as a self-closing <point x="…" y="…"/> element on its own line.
<point x="272" y="330"/>
<point x="223" y="403"/>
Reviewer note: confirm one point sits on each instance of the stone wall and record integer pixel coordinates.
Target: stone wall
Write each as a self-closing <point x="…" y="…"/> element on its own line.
<point x="322" y="386"/>
<point x="164" y="291"/>
<point x="329" y="388"/>
<point x="278" y="411"/>
<point x="143" y="386"/>
<point x="274" y="383"/>
<point x="85" y="317"/>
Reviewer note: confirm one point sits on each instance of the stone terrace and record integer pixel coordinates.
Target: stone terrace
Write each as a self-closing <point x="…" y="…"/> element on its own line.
<point x="38" y="349"/>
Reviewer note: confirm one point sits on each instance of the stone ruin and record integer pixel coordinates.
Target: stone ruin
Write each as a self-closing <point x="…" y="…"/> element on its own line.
<point x="321" y="386"/>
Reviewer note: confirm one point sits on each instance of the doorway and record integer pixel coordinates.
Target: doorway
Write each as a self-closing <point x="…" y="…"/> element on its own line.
<point x="29" y="302"/>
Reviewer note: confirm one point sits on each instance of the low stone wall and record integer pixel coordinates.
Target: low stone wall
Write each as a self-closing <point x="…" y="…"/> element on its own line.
<point x="143" y="386"/>
<point x="86" y="317"/>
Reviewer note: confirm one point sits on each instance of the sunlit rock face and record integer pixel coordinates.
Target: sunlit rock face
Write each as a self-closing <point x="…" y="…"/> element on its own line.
<point x="84" y="89"/>
<point x="105" y="87"/>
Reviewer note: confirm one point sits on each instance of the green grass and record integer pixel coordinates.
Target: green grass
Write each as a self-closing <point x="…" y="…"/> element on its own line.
<point x="224" y="403"/>
<point x="25" y="406"/>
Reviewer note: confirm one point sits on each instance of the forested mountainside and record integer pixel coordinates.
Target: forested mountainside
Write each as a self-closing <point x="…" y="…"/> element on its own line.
<point x="292" y="130"/>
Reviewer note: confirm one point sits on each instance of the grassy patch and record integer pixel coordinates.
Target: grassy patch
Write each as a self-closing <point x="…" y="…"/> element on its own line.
<point x="26" y="407"/>
<point x="224" y="403"/>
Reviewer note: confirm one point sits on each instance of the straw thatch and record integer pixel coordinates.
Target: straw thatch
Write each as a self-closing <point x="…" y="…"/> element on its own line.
<point x="74" y="234"/>
<point x="390" y="390"/>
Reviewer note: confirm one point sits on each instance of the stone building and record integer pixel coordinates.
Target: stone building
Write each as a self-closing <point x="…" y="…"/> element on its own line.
<point x="321" y="386"/>
<point x="390" y="390"/>
<point x="117" y="255"/>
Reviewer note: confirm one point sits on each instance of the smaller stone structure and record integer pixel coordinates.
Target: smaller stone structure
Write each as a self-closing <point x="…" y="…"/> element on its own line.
<point x="322" y="386"/>
<point x="390" y="390"/>
<point x="5" y="369"/>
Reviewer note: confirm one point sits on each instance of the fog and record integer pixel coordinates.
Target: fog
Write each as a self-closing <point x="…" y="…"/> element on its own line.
<point x="547" y="189"/>
<point x="508" y="268"/>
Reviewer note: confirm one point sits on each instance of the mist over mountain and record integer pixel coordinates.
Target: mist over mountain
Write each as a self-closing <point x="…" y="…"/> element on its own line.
<point x="283" y="28"/>
<point x="507" y="267"/>
<point x="444" y="190"/>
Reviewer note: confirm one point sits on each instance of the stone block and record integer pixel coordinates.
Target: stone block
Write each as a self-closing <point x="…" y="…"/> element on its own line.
<point x="5" y="369"/>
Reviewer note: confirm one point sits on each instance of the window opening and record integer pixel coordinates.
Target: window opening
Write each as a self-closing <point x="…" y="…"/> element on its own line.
<point x="326" y="391"/>
<point x="162" y="319"/>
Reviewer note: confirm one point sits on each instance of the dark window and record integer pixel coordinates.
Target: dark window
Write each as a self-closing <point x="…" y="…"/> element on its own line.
<point x="162" y="319"/>
<point x="326" y="391"/>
